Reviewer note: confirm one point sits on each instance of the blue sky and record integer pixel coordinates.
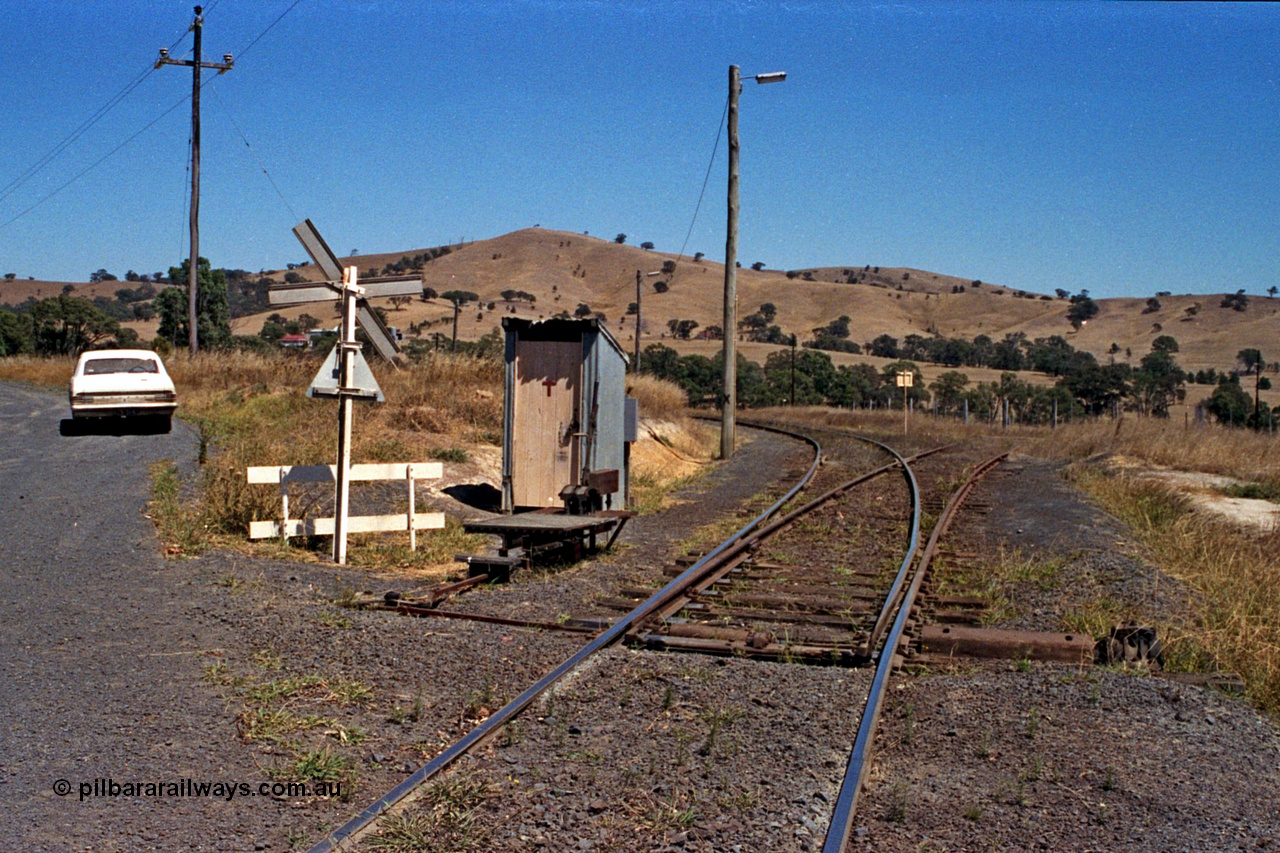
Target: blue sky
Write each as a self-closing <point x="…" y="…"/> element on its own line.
<point x="1124" y="148"/>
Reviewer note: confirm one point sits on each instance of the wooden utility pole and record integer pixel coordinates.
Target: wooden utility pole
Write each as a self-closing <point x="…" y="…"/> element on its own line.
<point x="793" y="370"/>
<point x="730" y="390"/>
<point x="636" y="368"/>
<point x="457" y="306"/>
<point x="197" y="27"/>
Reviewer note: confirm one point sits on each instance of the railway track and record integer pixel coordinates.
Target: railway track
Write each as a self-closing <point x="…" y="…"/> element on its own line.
<point x="744" y="599"/>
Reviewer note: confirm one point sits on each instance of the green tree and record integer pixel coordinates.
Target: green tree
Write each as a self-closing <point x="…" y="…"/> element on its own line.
<point x="1082" y="309"/>
<point x="1051" y="355"/>
<point x="1235" y="301"/>
<point x="884" y="346"/>
<point x="620" y="239"/>
<point x="1164" y="343"/>
<point x="272" y="332"/>
<point x="1007" y="354"/>
<point x="15" y="333"/>
<point x="1158" y="383"/>
<point x="69" y="325"/>
<point x="1229" y="403"/>
<point x="213" y="315"/>
<point x="948" y="389"/>
<point x="1098" y="387"/>
<point x="1253" y="362"/>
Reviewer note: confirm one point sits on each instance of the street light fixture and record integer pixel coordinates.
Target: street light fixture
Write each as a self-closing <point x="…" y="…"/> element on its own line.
<point x="730" y="389"/>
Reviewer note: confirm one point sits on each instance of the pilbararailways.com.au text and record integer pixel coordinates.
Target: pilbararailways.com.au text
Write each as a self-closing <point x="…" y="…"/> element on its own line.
<point x="99" y="788"/>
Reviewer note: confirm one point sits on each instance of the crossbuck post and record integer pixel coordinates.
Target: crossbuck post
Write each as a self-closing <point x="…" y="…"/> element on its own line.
<point x="345" y="375"/>
<point x="349" y="348"/>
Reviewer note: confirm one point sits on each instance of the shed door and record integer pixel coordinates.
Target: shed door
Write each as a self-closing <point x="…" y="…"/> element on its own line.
<point x="543" y="447"/>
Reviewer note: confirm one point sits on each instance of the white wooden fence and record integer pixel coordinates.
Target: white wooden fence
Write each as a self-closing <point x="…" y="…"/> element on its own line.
<point x="283" y="475"/>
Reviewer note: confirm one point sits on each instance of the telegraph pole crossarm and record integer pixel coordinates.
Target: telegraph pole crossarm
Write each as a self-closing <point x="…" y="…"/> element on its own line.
<point x="195" y="64"/>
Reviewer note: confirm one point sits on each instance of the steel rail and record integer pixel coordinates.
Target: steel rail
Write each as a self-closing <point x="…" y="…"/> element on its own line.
<point x="728" y="558"/>
<point x="339" y="838"/>
<point x="859" y="760"/>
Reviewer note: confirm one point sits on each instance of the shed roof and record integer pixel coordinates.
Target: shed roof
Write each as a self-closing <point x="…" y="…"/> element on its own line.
<point x="562" y="329"/>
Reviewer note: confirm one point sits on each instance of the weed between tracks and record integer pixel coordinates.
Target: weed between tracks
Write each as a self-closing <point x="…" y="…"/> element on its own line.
<point x="293" y="717"/>
<point x="1002" y="581"/>
<point x="441" y="820"/>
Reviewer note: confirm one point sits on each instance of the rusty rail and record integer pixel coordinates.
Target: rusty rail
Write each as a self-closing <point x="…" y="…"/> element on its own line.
<point x="730" y="558"/>
<point x="859" y="760"/>
<point x="348" y="833"/>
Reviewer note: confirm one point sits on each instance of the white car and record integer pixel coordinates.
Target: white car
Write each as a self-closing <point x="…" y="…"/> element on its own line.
<point x="122" y="383"/>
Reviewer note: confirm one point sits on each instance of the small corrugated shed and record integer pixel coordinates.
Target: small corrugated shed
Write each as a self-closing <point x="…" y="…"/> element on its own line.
<point x="565" y="413"/>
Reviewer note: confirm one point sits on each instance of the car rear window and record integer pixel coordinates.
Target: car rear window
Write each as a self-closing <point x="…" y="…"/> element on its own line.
<point x="98" y="366"/>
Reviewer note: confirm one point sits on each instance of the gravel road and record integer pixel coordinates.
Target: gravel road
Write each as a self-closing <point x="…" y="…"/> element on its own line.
<point x="98" y="655"/>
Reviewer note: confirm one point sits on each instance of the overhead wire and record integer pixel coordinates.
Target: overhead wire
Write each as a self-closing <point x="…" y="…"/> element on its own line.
<point x="246" y="48"/>
<point x="714" y="149"/>
<point x="261" y="165"/>
<point x="32" y="170"/>
<point x="133" y="84"/>
<point x="186" y="198"/>
<point x="96" y="163"/>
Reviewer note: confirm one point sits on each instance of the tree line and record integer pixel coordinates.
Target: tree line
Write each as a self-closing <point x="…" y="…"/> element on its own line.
<point x="1084" y="387"/>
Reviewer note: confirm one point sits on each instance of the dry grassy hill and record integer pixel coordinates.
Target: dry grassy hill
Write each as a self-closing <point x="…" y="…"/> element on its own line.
<point x="564" y="269"/>
<point x="19" y="290"/>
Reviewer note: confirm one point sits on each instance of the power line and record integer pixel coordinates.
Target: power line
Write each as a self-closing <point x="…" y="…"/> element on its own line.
<point x="80" y="131"/>
<point x="97" y="162"/>
<point x="245" y="49"/>
<point x="261" y="165"/>
<point x="101" y="112"/>
<point x="186" y="199"/>
<point x="710" y="164"/>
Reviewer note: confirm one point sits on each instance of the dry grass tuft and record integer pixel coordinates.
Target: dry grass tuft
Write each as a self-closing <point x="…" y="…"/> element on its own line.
<point x="252" y="409"/>
<point x="1211" y="449"/>
<point x="1237" y="576"/>
<point x="658" y="399"/>
<point x="41" y="371"/>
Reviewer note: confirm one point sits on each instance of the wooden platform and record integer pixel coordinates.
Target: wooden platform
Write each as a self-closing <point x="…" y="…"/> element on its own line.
<point x="531" y="532"/>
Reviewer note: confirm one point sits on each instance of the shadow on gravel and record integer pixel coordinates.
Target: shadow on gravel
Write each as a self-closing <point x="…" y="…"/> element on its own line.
<point x="478" y="495"/>
<point x="147" y="425"/>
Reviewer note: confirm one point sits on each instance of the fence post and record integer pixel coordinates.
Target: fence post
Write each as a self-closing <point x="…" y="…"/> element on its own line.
<point x="413" y="506"/>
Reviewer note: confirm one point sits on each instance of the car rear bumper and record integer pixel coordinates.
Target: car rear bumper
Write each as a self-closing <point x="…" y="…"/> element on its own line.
<point x="122" y="410"/>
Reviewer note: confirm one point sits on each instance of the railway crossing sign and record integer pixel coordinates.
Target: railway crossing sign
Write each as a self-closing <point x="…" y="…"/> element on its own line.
<point x="345" y="374"/>
<point x="328" y="381"/>
<point x="327" y="291"/>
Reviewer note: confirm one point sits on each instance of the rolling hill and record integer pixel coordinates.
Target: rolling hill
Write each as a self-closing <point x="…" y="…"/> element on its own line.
<point x="564" y="270"/>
